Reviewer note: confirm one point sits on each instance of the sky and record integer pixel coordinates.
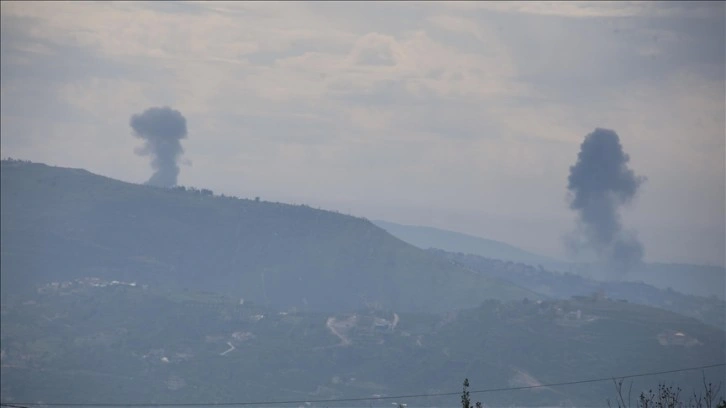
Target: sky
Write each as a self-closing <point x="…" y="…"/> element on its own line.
<point x="459" y="115"/>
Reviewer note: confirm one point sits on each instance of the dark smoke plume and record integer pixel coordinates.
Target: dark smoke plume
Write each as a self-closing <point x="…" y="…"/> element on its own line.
<point x="600" y="183"/>
<point x="162" y="130"/>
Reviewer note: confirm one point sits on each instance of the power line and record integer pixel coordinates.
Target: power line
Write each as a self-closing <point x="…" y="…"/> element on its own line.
<point x="441" y="394"/>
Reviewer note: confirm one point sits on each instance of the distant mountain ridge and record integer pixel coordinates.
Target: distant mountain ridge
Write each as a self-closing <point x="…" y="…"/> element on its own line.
<point x="430" y="237"/>
<point x="61" y="224"/>
<point x="709" y="310"/>
<point x="700" y="280"/>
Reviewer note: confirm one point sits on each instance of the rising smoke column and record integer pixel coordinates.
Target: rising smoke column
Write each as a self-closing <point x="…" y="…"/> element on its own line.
<point x="162" y="130"/>
<point x="600" y="183"/>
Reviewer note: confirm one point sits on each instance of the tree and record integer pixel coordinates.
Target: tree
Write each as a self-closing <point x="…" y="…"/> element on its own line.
<point x="670" y="397"/>
<point x="465" y="400"/>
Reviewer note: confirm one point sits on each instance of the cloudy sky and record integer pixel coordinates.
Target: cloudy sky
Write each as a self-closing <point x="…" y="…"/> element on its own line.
<point x="465" y="116"/>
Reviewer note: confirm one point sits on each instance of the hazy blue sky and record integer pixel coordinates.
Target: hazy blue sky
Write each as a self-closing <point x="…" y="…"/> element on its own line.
<point x="465" y="116"/>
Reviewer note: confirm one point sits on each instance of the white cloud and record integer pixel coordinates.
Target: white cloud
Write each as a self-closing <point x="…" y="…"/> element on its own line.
<point x="585" y="9"/>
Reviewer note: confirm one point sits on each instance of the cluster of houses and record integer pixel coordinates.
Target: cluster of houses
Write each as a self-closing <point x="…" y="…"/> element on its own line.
<point x="87" y="282"/>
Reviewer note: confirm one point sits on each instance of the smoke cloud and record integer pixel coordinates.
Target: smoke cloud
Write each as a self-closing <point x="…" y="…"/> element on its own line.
<point x="162" y="130"/>
<point x="601" y="183"/>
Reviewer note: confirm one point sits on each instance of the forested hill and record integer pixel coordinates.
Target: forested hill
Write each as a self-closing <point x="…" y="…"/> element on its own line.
<point x="61" y="224"/>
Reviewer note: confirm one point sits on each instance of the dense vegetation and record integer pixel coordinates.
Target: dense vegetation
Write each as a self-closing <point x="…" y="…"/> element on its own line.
<point x="83" y="343"/>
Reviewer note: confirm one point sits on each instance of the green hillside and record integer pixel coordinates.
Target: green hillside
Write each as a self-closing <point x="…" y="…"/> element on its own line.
<point x="62" y="224"/>
<point x="80" y="343"/>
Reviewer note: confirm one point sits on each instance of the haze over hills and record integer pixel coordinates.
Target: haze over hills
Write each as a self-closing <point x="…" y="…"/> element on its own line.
<point x="584" y="140"/>
<point x="111" y="289"/>
<point x="700" y="280"/>
<point x="429" y="237"/>
<point x="711" y="310"/>
<point x="62" y="224"/>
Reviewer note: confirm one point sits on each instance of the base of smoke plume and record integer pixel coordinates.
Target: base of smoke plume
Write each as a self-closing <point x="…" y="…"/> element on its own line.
<point x="612" y="260"/>
<point x="164" y="177"/>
